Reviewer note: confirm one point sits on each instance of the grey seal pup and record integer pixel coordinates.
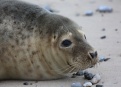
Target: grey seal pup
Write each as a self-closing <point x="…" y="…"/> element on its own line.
<point x="38" y="45"/>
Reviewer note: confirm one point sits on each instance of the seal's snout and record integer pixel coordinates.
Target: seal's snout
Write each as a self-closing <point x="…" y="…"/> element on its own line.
<point x="93" y="54"/>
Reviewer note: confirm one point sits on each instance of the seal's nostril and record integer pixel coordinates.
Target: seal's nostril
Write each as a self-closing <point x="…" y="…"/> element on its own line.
<point x="93" y="55"/>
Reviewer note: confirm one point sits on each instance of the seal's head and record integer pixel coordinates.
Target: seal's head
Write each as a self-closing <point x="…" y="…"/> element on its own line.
<point x="70" y="47"/>
<point x="38" y="45"/>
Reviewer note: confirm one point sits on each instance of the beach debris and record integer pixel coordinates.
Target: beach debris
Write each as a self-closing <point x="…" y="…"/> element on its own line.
<point x="103" y="29"/>
<point x="76" y="84"/>
<point x="88" y="13"/>
<point x="99" y="85"/>
<point x="73" y="75"/>
<point x="80" y="73"/>
<point x="104" y="8"/>
<point x="96" y="79"/>
<point x="87" y="84"/>
<point x="49" y="8"/>
<point x="102" y="58"/>
<point x="116" y="29"/>
<point x="103" y="37"/>
<point x="106" y="59"/>
<point x="25" y="83"/>
<point x="88" y="76"/>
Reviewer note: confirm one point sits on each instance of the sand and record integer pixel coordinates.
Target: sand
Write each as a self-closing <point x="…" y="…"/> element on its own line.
<point x="110" y="47"/>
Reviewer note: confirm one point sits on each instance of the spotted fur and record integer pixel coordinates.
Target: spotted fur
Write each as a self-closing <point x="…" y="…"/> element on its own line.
<point x="30" y="43"/>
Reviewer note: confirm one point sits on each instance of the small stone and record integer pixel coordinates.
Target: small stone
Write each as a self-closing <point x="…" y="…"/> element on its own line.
<point x="25" y="83"/>
<point x="30" y="83"/>
<point x="101" y="58"/>
<point x="80" y="73"/>
<point x="104" y="9"/>
<point x="88" y="13"/>
<point x="99" y="85"/>
<point x="87" y="84"/>
<point x="96" y="79"/>
<point x="88" y="76"/>
<point x="103" y="37"/>
<point x="103" y="29"/>
<point x="76" y="84"/>
<point x="106" y="59"/>
<point x="73" y="75"/>
<point x="116" y="29"/>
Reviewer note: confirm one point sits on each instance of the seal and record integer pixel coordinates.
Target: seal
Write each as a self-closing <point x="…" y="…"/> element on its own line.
<point x="38" y="45"/>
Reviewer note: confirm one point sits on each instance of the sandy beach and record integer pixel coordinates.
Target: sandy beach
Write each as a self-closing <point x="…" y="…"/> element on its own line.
<point x="95" y="26"/>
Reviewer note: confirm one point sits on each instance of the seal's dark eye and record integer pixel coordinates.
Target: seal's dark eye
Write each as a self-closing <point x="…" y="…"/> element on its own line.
<point x="66" y="43"/>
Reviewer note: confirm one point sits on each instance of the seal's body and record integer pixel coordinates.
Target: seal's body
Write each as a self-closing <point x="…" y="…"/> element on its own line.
<point x="38" y="45"/>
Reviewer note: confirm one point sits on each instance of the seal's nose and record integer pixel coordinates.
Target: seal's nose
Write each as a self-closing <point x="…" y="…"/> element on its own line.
<point x="93" y="55"/>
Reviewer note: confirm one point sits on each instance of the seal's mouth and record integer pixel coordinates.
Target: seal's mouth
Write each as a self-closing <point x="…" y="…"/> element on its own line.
<point x="79" y="64"/>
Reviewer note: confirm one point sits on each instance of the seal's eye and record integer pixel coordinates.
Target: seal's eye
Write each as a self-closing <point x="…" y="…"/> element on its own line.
<point x="66" y="43"/>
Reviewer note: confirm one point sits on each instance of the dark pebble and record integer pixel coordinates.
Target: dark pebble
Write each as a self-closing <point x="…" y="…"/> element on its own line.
<point x="88" y="76"/>
<point x="103" y="37"/>
<point x="80" y="73"/>
<point x="99" y="85"/>
<point x="116" y="29"/>
<point x="103" y="29"/>
<point x="25" y="83"/>
<point x="73" y="76"/>
<point x="106" y="59"/>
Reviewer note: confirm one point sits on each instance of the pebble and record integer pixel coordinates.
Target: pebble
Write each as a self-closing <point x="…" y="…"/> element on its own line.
<point x="103" y="29"/>
<point x="96" y="79"/>
<point x="116" y="29"/>
<point x="87" y="84"/>
<point x="104" y="8"/>
<point x="103" y="37"/>
<point x="99" y="85"/>
<point x="80" y="73"/>
<point x="102" y="58"/>
<point x="106" y="59"/>
<point x="88" y="76"/>
<point x="73" y="75"/>
<point x="76" y="84"/>
<point x="88" y="13"/>
<point x="25" y="83"/>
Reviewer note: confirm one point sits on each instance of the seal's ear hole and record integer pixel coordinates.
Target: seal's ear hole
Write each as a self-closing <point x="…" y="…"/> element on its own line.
<point x="66" y="43"/>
